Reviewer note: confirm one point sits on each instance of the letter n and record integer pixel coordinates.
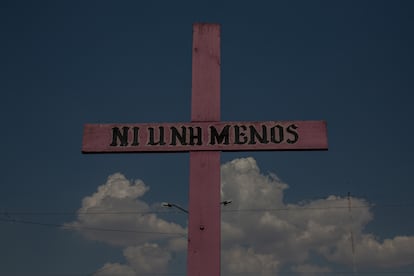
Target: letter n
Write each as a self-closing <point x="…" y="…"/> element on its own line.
<point x="122" y="137"/>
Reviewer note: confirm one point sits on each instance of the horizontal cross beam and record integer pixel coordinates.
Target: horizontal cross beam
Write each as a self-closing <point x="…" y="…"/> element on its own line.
<point x="205" y="136"/>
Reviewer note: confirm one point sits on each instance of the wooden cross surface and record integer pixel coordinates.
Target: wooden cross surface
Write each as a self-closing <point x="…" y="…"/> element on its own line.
<point x="205" y="137"/>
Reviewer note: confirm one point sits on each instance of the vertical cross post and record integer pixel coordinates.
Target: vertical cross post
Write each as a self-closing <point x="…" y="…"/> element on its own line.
<point x="203" y="257"/>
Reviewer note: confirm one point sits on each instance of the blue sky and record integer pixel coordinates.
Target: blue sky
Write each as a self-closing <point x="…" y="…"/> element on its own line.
<point x="64" y="64"/>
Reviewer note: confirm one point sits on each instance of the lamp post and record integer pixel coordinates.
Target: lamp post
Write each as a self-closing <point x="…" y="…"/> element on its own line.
<point x="173" y="205"/>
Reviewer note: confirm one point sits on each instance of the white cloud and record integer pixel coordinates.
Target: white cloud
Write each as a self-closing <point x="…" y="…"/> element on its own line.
<point x="245" y="261"/>
<point x="369" y="252"/>
<point x="310" y="270"/>
<point x="121" y="195"/>
<point x="177" y="244"/>
<point x="117" y="187"/>
<point x="147" y="258"/>
<point x="111" y="269"/>
<point x="261" y="234"/>
<point x="242" y="181"/>
<point x="291" y="233"/>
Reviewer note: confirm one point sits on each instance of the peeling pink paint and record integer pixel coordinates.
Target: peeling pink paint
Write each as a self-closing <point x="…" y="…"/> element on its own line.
<point x="203" y="255"/>
<point x="205" y="136"/>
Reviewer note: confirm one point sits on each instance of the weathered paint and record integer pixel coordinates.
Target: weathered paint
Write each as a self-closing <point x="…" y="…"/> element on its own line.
<point x="204" y="192"/>
<point x="205" y="86"/>
<point x="205" y="136"/>
<point x="203" y="255"/>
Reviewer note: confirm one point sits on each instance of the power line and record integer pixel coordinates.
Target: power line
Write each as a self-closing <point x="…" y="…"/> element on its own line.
<point x="147" y="212"/>
<point x="304" y="208"/>
<point x="52" y="213"/>
<point x="66" y="226"/>
<point x="9" y="216"/>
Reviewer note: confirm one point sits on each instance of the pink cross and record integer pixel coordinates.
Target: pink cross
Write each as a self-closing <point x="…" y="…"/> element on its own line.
<point x="205" y="137"/>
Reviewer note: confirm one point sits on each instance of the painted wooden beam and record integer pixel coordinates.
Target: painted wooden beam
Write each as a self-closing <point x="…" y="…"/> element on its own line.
<point x="203" y="255"/>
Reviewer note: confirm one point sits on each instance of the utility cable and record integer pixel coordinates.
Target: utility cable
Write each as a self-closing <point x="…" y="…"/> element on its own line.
<point x="66" y="226"/>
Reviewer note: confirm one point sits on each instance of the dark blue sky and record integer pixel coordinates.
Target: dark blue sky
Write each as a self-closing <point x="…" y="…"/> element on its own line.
<point x="66" y="63"/>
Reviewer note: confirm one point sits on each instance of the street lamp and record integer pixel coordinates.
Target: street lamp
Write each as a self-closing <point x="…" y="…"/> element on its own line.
<point x="173" y="205"/>
<point x="226" y="202"/>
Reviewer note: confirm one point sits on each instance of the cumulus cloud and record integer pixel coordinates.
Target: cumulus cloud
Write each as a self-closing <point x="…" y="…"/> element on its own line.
<point x="290" y="233"/>
<point x="261" y="234"/>
<point x="114" y="207"/>
<point x="370" y="252"/>
<point x="269" y="226"/>
<point x="148" y="258"/>
<point x="245" y="261"/>
<point x="310" y="270"/>
<point x="144" y="259"/>
<point x="111" y="269"/>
